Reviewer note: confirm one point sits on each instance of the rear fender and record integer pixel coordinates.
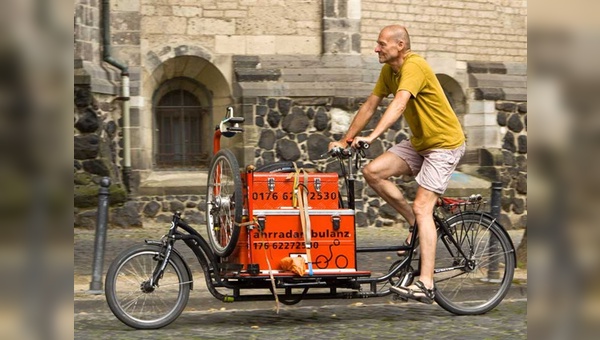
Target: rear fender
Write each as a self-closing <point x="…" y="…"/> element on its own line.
<point x="486" y="215"/>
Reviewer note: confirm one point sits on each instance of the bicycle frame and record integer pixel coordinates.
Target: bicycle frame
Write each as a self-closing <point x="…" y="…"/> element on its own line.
<point x="217" y="275"/>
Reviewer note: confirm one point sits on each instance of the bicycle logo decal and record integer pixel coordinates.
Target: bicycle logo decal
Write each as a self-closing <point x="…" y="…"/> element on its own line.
<point x="341" y="261"/>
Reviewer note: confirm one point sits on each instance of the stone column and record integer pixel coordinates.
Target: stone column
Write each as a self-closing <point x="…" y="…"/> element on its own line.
<point x="341" y="26"/>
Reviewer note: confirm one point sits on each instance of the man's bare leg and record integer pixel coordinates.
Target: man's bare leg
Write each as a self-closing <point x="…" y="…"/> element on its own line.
<point x="423" y="208"/>
<point x="377" y="174"/>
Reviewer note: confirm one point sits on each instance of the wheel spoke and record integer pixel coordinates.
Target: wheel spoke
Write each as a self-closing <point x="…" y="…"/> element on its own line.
<point x="146" y="308"/>
<point x="224" y="203"/>
<point x="487" y="267"/>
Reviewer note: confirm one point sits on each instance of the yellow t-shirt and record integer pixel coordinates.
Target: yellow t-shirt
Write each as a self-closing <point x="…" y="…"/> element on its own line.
<point x="432" y="121"/>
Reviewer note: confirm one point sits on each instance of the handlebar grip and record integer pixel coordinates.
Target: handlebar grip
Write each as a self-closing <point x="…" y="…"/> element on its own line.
<point x="339" y="152"/>
<point x="235" y="120"/>
<point x="363" y="145"/>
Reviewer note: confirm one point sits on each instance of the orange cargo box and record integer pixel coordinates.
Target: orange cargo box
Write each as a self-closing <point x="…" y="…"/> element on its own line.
<point x="268" y="190"/>
<point x="332" y="239"/>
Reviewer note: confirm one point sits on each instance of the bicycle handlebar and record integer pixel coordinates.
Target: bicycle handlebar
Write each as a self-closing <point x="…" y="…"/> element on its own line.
<point x="348" y="152"/>
<point x="363" y="145"/>
<point x="230" y="125"/>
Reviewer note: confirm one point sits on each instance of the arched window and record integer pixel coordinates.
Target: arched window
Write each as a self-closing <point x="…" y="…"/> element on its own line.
<point x="180" y="120"/>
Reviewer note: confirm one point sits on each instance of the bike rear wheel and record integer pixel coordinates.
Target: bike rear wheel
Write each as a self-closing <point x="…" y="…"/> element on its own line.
<point x="477" y="282"/>
<point x="224" y="203"/>
<point x="137" y="304"/>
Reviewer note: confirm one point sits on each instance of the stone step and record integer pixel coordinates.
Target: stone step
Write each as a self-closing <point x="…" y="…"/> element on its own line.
<point x="464" y="185"/>
<point x="497" y="80"/>
<point x="163" y="183"/>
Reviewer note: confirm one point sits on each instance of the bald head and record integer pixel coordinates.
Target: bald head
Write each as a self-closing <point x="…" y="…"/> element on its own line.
<point x="397" y="33"/>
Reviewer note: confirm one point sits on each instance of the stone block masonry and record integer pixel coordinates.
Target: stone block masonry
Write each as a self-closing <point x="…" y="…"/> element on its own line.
<point x="316" y="57"/>
<point x="499" y="93"/>
<point x="95" y="151"/>
<point x="235" y="27"/>
<point x="341" y="27"/>
<point x="461" y="30"/>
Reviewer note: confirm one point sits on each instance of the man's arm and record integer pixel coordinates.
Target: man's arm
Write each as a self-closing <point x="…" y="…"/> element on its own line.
<point x="360" y="120"/>
<point x="390" y="116"/>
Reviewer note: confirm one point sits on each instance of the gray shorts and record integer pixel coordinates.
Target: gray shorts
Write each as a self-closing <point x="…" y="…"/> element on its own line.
<point x="432" y="168"/>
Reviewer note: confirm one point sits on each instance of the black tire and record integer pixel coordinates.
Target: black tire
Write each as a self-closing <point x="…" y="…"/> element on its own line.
<point x="284" y="166"/>
<point x="137" y="308"/>
<point x="484" y="278"/>
<point x="224" y="203"/>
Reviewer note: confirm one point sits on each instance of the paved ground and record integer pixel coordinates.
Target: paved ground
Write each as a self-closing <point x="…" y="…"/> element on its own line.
<point x="351" y="321"/>
<point x="207" y="318"/>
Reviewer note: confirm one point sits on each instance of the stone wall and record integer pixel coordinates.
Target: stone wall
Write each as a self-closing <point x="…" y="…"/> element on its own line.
<point x="97" y="117"/>
<point x="483" y="30"/>
<point x="341" y="26"/>
<point x="297" y="69"/>
<point x="96" y="139"/>
<point x="87" y="30"/>
<point x="161" y="208"/>
<point x="513" y="170"/>
<point x="498" y="94"/>
<point x="234" y="26"/>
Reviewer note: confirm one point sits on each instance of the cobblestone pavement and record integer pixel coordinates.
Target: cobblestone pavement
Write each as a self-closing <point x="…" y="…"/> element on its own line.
<point x="349" y="321"/>
<point x="207" y="318"/>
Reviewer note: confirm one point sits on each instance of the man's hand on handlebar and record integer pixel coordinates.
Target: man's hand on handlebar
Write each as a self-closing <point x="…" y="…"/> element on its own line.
<point x="336" y="144"/>
<point x="361" y="143"/>
<point x="357" y="143"/>
<point x="337" y="148"/>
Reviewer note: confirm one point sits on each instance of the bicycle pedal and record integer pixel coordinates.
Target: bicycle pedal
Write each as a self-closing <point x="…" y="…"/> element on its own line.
<point x="399" y="298"/>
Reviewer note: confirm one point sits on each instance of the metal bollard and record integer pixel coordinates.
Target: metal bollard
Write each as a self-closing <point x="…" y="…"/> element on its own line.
<point x="496" y="198"/>
<point x="100" y="239"/>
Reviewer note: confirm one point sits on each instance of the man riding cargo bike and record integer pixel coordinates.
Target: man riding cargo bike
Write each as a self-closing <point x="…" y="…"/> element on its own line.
<point x="278" y="232"/>
<point x="432" y="153"/>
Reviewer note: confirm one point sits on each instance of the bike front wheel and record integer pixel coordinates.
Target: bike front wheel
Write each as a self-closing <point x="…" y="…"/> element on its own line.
<point x="476" y="282"/>
<point x="224" y="203"/>
<point x="133" y="301"/>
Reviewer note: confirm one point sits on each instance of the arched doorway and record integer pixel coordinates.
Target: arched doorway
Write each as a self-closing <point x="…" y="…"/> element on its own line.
<point x="456" y="96"/>
<point x="454" y="93"/>
<point x="182" y="116"/>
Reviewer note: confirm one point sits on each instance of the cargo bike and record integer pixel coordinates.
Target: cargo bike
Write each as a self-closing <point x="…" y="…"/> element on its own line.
<point x="259" y="218"/>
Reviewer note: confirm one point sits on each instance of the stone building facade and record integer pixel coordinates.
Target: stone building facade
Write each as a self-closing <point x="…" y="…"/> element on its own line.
<point x="297" y="71"/>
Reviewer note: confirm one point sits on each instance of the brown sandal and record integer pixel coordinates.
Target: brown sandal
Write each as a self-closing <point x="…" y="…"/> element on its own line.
<point x="416" y="291"/>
